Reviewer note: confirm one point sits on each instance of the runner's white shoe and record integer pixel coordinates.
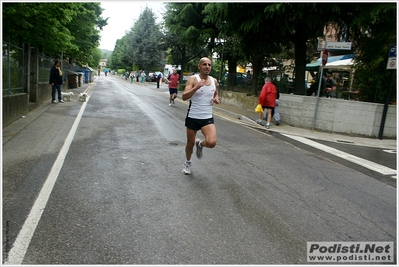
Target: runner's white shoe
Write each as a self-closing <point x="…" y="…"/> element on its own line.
<point x="186" y="169"/>
<point x="199" y="149"/>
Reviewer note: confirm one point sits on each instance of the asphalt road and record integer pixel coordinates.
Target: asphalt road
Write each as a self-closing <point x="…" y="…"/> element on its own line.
<point x="119" y="195"/>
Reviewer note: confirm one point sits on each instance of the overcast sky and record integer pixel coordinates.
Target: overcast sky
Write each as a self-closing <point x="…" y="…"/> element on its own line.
<point x="122" y="16"/>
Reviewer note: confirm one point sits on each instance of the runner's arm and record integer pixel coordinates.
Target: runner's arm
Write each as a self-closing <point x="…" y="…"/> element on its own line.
<point x="191" y="87"/>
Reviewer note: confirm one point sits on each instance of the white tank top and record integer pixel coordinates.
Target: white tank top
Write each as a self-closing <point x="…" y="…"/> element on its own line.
<point x="201" y="101"/>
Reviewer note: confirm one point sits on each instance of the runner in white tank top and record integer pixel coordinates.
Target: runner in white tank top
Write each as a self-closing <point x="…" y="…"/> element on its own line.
<point x="201" y="102"/>
<point x="202" y="91"/>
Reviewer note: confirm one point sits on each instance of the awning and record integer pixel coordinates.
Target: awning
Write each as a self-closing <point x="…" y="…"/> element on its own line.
<point x="314" y="66"/>
<point x="340" y="64"/>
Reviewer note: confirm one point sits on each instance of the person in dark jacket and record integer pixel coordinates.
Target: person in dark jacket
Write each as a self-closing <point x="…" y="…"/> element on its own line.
<point x="56" y="81"/>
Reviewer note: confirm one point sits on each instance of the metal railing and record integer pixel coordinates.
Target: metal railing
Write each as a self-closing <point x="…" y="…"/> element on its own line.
<point x="12" y="69"/>
<point x="45" y="65"/>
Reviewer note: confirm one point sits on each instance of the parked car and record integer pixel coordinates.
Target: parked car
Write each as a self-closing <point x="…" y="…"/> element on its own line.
<point x="151" y="77"/>
<point x="240" y="78"/>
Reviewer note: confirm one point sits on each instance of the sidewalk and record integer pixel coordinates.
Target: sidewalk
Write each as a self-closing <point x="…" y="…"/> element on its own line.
<point x="35" y="112"/>
<point x="252" y="116"/>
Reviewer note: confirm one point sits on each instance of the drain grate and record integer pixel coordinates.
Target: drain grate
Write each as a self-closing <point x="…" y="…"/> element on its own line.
<point x="344" y="141"/>
<point x="175" y="143"/>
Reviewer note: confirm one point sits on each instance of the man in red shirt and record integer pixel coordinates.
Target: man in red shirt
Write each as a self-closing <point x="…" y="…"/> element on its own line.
<point x="173" y="81"/>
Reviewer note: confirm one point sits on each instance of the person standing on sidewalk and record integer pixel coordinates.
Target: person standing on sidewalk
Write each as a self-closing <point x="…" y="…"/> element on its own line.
<point x="267" y="99"/>
<point x="159" y="79"/>
<point x="329" y="85"/>
<point x="276" y="115"/>
<point x="131" y="76"/>
<point x="56" y="81"/>
<point x="143" y="76"/>
<point x="202" y="91"/>
<point x="173" y="81"/>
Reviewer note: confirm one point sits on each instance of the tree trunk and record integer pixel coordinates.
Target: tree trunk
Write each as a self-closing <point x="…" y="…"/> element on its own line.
<point x="231" y="78"/>
<point x="257" y="64"/>
<point x="300" y="62"/>
<point x="182" y="66"/>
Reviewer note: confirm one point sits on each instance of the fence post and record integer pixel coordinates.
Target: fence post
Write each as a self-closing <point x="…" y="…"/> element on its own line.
<point x="26" y="67"/>
<point x="34" y="74"/>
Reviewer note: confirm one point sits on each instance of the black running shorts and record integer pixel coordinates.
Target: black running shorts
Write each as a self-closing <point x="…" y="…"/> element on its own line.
<point x="197" y="124"/>
<point x="172" y="91"/>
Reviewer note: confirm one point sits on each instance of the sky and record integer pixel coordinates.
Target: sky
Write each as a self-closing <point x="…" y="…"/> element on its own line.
<point x="122" y="16"/>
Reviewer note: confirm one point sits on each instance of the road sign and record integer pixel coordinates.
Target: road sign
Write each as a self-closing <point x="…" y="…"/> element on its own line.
<point x="391" y="64"/>
<point x="339" y="45"/>
<point x="392" y="51"/>
<point x="321" y="45"/>
<point x="324" y="57"/>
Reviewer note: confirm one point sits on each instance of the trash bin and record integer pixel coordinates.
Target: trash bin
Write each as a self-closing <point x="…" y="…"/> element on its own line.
<point x="73" y="80"/>
<point x="88" y="74"/>
<point x="91" y="74"/>
<point x="80" y="78"/>
<point x="85" y="75"/>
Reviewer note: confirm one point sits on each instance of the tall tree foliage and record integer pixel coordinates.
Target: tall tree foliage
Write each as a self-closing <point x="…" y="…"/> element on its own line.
<point x="258" y="36"/>
<point x="145" y="43"/>
<point x="65" y="28"/>
<point x="299" y="23"/>
<point x="189" y="36"/>
<point x="118" y="58"/>
<point x="249" y="25"/>
<point x="373" y="30"/>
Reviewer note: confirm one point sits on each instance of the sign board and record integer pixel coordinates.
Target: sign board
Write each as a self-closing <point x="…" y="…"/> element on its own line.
<point x="324" y="57"/>
<point x="391" y="64"/>
<point x="339" y="45"/>
<point x="321" y="45"/>
<point x="392" y="51"/>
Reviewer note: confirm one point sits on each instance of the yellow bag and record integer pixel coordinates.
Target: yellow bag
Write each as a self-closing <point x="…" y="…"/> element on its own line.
<point x="259" y="109"/>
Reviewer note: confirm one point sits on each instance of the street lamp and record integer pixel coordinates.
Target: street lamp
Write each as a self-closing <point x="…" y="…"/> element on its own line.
<point x="221" y="68"/>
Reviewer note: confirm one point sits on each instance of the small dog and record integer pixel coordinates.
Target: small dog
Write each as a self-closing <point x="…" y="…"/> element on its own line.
<point x="82" y="97"/>
<point x="66" y="96"/>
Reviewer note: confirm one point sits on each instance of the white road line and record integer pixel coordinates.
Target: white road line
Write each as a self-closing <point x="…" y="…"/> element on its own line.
<point x="21" y="244"/>
<point x="362" y="162"/>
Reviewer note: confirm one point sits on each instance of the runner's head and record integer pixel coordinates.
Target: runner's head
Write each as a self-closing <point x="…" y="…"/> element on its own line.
<point x="205" y="66"/>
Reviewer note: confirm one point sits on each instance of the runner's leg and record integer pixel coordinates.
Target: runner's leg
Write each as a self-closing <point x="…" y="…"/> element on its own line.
<point x="190" y="143"/>
<point x="209" y="132"/>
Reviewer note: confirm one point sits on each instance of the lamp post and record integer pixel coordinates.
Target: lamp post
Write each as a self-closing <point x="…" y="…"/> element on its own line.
<point x="221" y="70"/>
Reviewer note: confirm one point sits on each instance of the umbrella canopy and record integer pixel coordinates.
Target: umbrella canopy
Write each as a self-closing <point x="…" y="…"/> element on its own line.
<point x="340" y="64"/>
<point x="314" y="66"/>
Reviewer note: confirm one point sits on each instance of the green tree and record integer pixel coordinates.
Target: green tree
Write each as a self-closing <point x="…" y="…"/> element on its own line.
<point x="117" y="60"/>
<point x="248" y="37"/>
<point x="71" y="29"/>
<point x="299" y="23"/>
<point x="145" y="44"/>
<point x="188" y="36"/>
<point x="372" y="29"/>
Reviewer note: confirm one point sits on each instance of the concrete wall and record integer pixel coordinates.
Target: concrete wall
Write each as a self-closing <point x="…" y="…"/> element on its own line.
<point x="333" y="115"/>
<point x="14" y="106"/>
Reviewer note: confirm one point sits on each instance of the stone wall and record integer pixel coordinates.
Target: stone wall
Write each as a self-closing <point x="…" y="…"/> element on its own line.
<point x="333" y="115"/>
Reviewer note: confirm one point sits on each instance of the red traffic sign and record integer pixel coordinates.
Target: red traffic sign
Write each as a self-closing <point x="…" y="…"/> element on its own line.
<point x="324" y="57"/>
